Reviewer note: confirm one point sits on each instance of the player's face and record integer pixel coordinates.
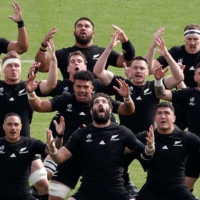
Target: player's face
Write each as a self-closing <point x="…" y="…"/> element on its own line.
<point x="192" y="43"/>
<point x="83" y="32"/>
<point x="83" y="90"/>
<point x="197" y="76"/>
<point x="101" y="111"/>
<point x="139" y="71"/>
<point x="76" y="63"/>
<point x="12" y="72"/>
<point x="164" y="119"/>
<point x="12" y="127"/>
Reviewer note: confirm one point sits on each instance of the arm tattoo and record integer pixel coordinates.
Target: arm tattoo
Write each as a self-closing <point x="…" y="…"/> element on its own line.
<point x="160" y="91"/>
<point x="58" y="142"/>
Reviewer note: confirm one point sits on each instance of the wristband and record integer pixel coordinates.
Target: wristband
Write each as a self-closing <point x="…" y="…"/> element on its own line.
<point x="42" y="44"/>
<point x="152" y="148"/>
<point x="146" y="149"/>
<point x="29" y="95"/>
<point x="43" y="50"/>
<point x="158" y="83"/>
<point x="128" y="50"/>
<point x="127" y="101"/>
<point x="59" y="135"/>
<point x="20" y="24"/>
<point x="53" y="153"/>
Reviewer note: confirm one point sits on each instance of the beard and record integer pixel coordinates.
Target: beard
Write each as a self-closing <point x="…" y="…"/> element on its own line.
<point x="83" y="41"/>
<point x="101" y="119"/>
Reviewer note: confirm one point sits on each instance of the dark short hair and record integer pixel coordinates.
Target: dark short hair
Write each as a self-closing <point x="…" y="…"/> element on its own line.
<point x="165" y="104"/>
<point x="84" y="75"/>
<point x="140" y="58"/>
<point x="191" y="27"/>
<point x="11" y="114"/>
<point x="84" y="18"/>
<point x="197" y="67"/>
<point x="77" y="53"/>
<point x="96" y="95"/>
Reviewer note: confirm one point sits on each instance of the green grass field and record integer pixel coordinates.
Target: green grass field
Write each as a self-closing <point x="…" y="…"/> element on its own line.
<point x="138" y="19"/>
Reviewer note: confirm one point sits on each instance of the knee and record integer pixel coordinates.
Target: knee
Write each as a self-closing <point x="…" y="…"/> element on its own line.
<point x="58" y="191"/>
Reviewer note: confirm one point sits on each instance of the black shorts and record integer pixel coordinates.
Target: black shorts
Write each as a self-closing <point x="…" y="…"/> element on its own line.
<point x="118" y="194"/>
<point x="69" y="171"/>
<point x="148" y="193"/>
<point x="192" y="167"/>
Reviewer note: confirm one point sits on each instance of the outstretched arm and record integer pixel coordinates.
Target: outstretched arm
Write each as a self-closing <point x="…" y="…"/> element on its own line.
<point x="160" y="90"/>
<point x="21" y="45"/>
<point x="127" y="48"/>
<point x="177" y="73"/>
<point x="34" y="101"/>
<point x="47" y="85"/>
<point x="128" y="106"/>
<point x="103" y="75"/>
<point x="58" y="156"/>
<point x="42" y="56"/>
<point x="150" y="54"/>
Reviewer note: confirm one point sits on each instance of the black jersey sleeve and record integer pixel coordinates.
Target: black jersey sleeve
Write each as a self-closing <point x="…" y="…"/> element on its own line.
<point x="179" y="96"/>
<point x="60" y="102"/>
<point x="74" y="142"/>
<point x="112" y="59"/>
<point x="193" y="140"/>
<point x="38" y="146"/>
<point x="115" y="105"/>
<point x="173" y="52"/>
<point x="3" y="45"/>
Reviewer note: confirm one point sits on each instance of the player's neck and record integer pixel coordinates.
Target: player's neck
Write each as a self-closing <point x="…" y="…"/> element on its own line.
<point x="165" y="131"/>
<point x="101" y="125"/>
<point x="11" y="82"/>
<point x="84" y="45"/>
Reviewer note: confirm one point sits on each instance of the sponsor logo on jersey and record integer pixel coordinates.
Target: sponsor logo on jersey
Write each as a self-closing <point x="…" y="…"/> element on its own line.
<point x="177" y="143"/>
<point x="165" y="147"/>
<point x="66" y="89"/>
<point x="192" y="68"/>
<point x="22" y="150"/>
<point x="21" y="92"/>
<point x="1" y="149"/>
<point x="82" y="113"/>
<point x="180" y="60"/>
<point x="13" y="156"/>
<point x="69" y="106"/>
<point x="139" y="98"/>
<point x="113" y="138"/>
<point x="95" y="57"/>
<point x="102" y="143"/>
<point x="88" y="138"/>
<point x="192" y="101"/>
<point x="1" y="91"/>
<point x="131" y="89"/>
<point x="146" y="92"/>
<point x="11" y="99"/>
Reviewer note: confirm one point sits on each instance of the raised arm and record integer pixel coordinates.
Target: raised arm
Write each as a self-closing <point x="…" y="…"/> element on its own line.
<point x="21" y="45"/>
<point x="103" y="75"/>
<point x="128" y="106"/>
<point x="34" y="101"/>
<point x="58" y="156"/>
<point x="47" y="85"/>
<point x="176" y="72"/>
<point x="127" y="48"/>
<point x="42" y="55"/>
<point x="160" y="90"/>
<point x="150" y="54"/>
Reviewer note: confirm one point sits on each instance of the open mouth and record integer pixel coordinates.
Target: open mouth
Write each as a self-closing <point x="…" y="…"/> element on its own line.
<point x="76" y="69"/>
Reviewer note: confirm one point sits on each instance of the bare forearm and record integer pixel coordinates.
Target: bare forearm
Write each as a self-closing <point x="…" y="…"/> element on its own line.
<point x="22" y="40"/>
<point x="58" y="142"/>
<point x="43" y="58"/>
<point x="150" y="57"/>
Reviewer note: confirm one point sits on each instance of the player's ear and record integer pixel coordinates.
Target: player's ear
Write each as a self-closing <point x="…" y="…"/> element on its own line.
<point x="93" y="34"/>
